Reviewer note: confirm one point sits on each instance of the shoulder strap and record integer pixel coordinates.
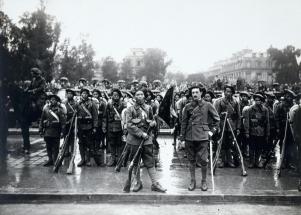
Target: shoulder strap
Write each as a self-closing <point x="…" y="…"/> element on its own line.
<point x="86" y="110"/>
<point x="54" y="115"/>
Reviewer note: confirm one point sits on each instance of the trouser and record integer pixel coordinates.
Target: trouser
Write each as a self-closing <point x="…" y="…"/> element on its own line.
<point x="290" y="152"/>
<point x="85" y="144"/>
<point x="115" y="143"/>
<point x="52" y="147"/>
<point x="298" y="143"/>
<point x="256" y="148"/>
<point x="146" y="155"/>
<point x="99" y="140"/>
<point x="197" y="150"/>
<point x="25" y="135"/>
<point x="228" y="150"/>
<point x="3" y="137"/>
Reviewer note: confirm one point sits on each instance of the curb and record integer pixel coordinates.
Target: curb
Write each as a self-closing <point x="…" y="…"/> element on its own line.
<point x="13" y="198"/>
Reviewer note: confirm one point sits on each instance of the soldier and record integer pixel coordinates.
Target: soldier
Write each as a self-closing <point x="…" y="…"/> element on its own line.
<point x="295" y="119"/>
<point x="113" y="126"/>
<point x="99" y="136"/>
<point x="139" y="118"/>
<point x="52" y="127"/>
<point x="270" y="100"/>
<point x="37" y="85"/>
<point x="209" y="96"/>
<point x="194" y="131"/>
<point x="87" y="126"/>
<point x="243" y="104"/>
<point x="281" y="111"/>
<point x="72" y="108"/>
<point x="257" y="129"/>
<point x="228" y="104"/>
<point x="82" y="82"/>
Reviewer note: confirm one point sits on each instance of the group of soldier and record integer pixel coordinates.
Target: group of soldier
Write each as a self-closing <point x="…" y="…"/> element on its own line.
<point x="121" y="121"/>
<point x="258" y="122"/>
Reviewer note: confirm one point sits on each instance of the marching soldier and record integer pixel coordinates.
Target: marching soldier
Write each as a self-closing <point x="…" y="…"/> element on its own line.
<point x="72" y="108"/>
<point x="113" y="126"/>
<point x="281" y="111"/>
<point x="228" y="104"/>
<point x="52" y="127"/>
<point x="139" y="119"/>
<point x="87" y="125"/>
<point x="257" y="128"/>
<point x="194" y="131"/>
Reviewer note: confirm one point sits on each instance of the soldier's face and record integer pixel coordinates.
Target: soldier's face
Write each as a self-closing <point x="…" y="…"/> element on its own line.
<point x="196" y="93"/>
<point x="244" y="98"/>
<point x="257" y="101"/>
<point x="115" y="96"/>
<point x="207" y="98"/>
<point x="139" y="96"/>
<point x="228" y="92"/>
<point x="53" y="101"/>
<point x="95" y="95"/>
<point x="69" y="95"/>
<point x="84" y="95"/>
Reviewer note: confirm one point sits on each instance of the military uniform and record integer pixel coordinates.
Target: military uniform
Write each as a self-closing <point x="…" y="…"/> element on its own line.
<point x="257" y="127"/>
<point x="138" y="118"/>
<point x="52" y="125"/>
<point x="231" y="107"/>
<point x="113" y="126"/>
<point x="281" y="111"/>
<point x="72" y="108"/>
<point x="194" y="130"/>
<point x="87" y="121"/>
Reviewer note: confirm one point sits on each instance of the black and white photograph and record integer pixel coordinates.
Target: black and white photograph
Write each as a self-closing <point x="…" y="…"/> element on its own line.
<point x="150" y="107"/>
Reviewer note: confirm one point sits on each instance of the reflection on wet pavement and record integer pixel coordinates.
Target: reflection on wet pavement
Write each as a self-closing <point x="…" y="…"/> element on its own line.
<point x="25" y="173"/>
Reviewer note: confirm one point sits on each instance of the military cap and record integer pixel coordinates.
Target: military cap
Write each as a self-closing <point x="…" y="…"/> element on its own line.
<point x="245" y="93"/>
<point x="270" y="94"/>
<point x="118" y="91"/>
<point x="212" y="95"/>
<point x="64" y="79"/>
<point x="71" y="91"/>
<point x="82" y="80"/>
<point x="52" y="95"/>
<point x="258" y="95"/>
<point x="143" y="83"/>
<point x="96" y="90"/>
<point x="230" y="87"/>
<point x="85" y="90"/>
<point x="290" y="92"/>
<point x="36" y="71"/>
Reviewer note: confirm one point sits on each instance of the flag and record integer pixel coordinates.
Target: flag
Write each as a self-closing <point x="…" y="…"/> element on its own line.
<point x="166" y="107"/>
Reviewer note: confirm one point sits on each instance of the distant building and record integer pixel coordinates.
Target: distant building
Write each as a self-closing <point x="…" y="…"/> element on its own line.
<point x="136" y="57"/>
<point x="246" y="64"/>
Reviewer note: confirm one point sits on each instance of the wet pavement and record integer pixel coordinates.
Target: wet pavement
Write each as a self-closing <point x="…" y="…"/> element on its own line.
<point x="25" y="174"/>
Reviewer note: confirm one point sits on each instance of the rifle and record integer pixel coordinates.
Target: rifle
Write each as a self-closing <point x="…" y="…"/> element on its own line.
<point x="71" y="163"/>
<point x="283" y="146"/>
<point x="128" y="182"/>
<point x="121" y="159"/>
<point x="211" y="160"/>
<point x="64" y="147"/>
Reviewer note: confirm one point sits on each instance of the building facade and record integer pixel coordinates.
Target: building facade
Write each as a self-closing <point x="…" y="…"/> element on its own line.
<point x="253" y="67"/>
<point x="136" y="58"/>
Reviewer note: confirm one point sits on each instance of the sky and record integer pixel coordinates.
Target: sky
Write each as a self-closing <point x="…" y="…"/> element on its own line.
<point x="193" y="33"/>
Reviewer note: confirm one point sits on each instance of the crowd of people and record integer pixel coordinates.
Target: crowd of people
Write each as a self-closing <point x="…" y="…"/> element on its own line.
<point x="117" y="117"/>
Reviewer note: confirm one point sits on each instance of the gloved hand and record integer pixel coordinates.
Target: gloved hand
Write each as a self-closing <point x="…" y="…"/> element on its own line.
<point x="145" y="136"/>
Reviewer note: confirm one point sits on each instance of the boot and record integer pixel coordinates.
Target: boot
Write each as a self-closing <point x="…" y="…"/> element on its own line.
<point x="229" y="160"/>
<point x="127" y="186"/>
<point x="192" y="184"/>
<point x="299" y="186"/>
<point x="252" y="159"/>
<point x="138" y="185"/>
<point x="221" y="159"/>
<point x="204" y="186"/>
<point x="82" y="155"/>
<point x="156" y="186"/>
<point x="112" y="161"/>
<point x="48" y="163"/>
